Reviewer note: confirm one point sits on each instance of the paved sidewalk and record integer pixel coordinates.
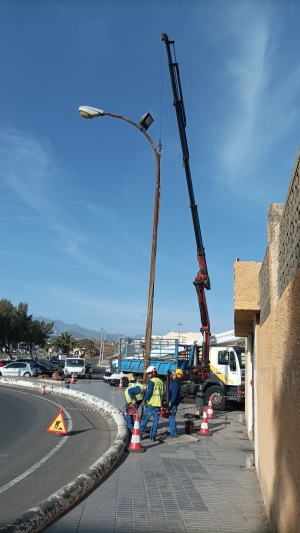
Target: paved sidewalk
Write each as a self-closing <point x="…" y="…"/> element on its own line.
<point x="197" y="487"/>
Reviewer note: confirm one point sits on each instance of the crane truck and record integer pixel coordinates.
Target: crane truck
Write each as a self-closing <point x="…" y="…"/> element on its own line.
<point x="206" y="369"/>
<point x="226" y="380"/>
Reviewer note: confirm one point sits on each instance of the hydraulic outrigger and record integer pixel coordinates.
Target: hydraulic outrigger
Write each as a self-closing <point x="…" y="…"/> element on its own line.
<point x="202" y="281"/>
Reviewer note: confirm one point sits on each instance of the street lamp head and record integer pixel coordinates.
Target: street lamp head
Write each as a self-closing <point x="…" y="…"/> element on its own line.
<point x="146" y="121"/>
<point x="86" y="111"/>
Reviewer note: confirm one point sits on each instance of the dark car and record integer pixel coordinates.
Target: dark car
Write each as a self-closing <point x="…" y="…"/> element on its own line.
<point x="55" y="362"/>
<point x="60" y="364"/>
<point x="48" y="368"/>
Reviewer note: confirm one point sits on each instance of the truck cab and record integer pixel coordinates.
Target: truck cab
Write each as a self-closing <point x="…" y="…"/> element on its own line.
<point x="228" y="365"/>
<point x="76" y="366"/>
<point x="227" y="372"/>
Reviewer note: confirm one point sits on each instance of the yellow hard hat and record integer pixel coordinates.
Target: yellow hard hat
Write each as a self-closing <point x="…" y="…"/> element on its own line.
<point x="179" y="373"/>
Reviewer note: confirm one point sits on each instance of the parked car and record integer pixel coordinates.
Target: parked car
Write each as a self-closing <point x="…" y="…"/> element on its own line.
<point x="43" y="367"/>
<point x="34" y="363"/>
<point x="19" y="369"/>
<point x="49" y="368"/>
<point x="54" y="361"/>
<point x="58" y="363"/>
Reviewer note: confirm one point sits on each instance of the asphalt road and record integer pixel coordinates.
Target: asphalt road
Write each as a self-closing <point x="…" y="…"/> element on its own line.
<point x="35" y="463"/>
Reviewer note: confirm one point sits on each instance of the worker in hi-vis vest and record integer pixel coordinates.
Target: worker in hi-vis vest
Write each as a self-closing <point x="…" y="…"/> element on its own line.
<point x="152" y="402"/>
<point x="134" y="395"/>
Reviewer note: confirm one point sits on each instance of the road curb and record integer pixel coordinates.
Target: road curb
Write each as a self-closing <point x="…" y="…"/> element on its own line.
<point x="51" y="508"/>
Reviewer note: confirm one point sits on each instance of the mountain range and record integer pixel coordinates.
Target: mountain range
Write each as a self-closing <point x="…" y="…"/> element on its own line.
<point x="77" y="331"/>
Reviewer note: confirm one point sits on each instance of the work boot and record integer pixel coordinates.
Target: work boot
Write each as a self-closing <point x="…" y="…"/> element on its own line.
<point x="153" y="438"/>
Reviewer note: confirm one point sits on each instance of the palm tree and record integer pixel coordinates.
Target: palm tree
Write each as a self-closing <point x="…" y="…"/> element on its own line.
<point x="65" y="343"/>
<point x="89" y="345"/>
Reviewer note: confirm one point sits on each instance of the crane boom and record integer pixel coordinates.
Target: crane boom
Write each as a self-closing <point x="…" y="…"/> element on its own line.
<point x="202" y="281"/>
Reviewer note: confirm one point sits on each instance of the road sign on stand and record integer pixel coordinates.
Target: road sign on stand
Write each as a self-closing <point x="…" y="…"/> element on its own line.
<point x="58" y="425"/>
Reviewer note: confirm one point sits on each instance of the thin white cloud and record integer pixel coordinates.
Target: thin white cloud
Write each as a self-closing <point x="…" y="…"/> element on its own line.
<point x="248" y="73"/>
<point x="28" y="169"/>
<point x="262" y="104"/>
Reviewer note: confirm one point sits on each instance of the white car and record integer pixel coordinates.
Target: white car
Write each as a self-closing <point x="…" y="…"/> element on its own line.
<point x="19" y="369"/>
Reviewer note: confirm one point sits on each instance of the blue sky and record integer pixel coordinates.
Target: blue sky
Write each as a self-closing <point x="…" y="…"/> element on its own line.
<point x="77" y="195"/>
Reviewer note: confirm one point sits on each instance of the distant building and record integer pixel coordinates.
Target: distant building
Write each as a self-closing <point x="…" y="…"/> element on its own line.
<point x="185" y="337"/>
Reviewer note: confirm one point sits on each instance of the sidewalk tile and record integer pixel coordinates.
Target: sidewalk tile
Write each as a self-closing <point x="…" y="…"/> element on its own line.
<point x="174" y="489"/>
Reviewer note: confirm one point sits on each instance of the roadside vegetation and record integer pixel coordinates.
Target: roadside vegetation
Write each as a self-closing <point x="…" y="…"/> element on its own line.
<point x="16" y="327"/>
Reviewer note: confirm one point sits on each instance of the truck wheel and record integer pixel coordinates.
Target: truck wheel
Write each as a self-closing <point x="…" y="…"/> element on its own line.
<point x="217" y="397"/>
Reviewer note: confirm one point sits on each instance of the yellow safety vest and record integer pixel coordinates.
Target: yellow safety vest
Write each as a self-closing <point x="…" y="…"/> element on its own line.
<point x="138" y="397"/>
<point x="157" y="395"/>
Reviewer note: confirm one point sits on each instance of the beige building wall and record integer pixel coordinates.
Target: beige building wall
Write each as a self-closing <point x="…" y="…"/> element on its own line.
<point x="246" y="307"/>
<point x="268" y="294"/>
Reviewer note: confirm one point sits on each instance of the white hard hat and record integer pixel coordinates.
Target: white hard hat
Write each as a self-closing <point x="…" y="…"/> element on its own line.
<point x="151" y="369"/>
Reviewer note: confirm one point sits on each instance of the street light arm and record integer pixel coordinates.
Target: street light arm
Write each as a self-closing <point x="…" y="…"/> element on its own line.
<point x="140" y="129"/>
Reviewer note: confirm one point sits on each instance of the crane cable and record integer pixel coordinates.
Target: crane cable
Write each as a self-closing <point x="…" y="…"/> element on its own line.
<point x="159" y="146"/>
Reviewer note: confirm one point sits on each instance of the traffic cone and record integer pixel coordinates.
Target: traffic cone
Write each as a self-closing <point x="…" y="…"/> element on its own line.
<point x="135" y="444"/>
<point x="164" y="413"/>
<point x="120" y="384"/>
<point x="72" y="379"/>
<point x="210" y="411"/>
<point x="204" y="430"/>
<point x="43" y="391"/>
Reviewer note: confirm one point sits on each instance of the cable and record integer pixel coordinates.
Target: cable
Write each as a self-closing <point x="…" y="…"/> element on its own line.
<point x="159" y="146"/>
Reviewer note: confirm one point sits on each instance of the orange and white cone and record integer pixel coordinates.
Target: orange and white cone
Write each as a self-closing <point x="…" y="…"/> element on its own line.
<point x="120" y="384"/>
<point x="135" y="445"/>
<point x="72" y="379"/>
<point x="204" y="430"/>
<point x="210" y="411"/>
<point x="43" y="391"/>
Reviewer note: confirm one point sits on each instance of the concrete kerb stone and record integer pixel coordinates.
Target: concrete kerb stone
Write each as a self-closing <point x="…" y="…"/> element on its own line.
<point x="46" y="511"/>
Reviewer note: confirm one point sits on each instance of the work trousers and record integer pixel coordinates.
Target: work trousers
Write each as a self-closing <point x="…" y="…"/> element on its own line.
<point x="148" y="412"/>
<point x="172" y="420"/>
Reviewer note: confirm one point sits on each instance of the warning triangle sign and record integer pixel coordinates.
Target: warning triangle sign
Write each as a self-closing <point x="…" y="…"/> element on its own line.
<point x="58" y="425"/>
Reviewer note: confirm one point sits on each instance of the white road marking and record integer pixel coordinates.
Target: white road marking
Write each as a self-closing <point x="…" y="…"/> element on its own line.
<point x="44" y="459"/>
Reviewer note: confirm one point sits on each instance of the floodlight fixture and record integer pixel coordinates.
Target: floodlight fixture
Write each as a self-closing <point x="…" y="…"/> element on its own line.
<point x="146" y="121"/>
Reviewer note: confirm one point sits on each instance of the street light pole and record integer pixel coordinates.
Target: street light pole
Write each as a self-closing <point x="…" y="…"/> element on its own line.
<point x="179" y="331"/>
<point x="145" y="122"/>
<point x="103" y="344"/>
<point x="100" y="346"/>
